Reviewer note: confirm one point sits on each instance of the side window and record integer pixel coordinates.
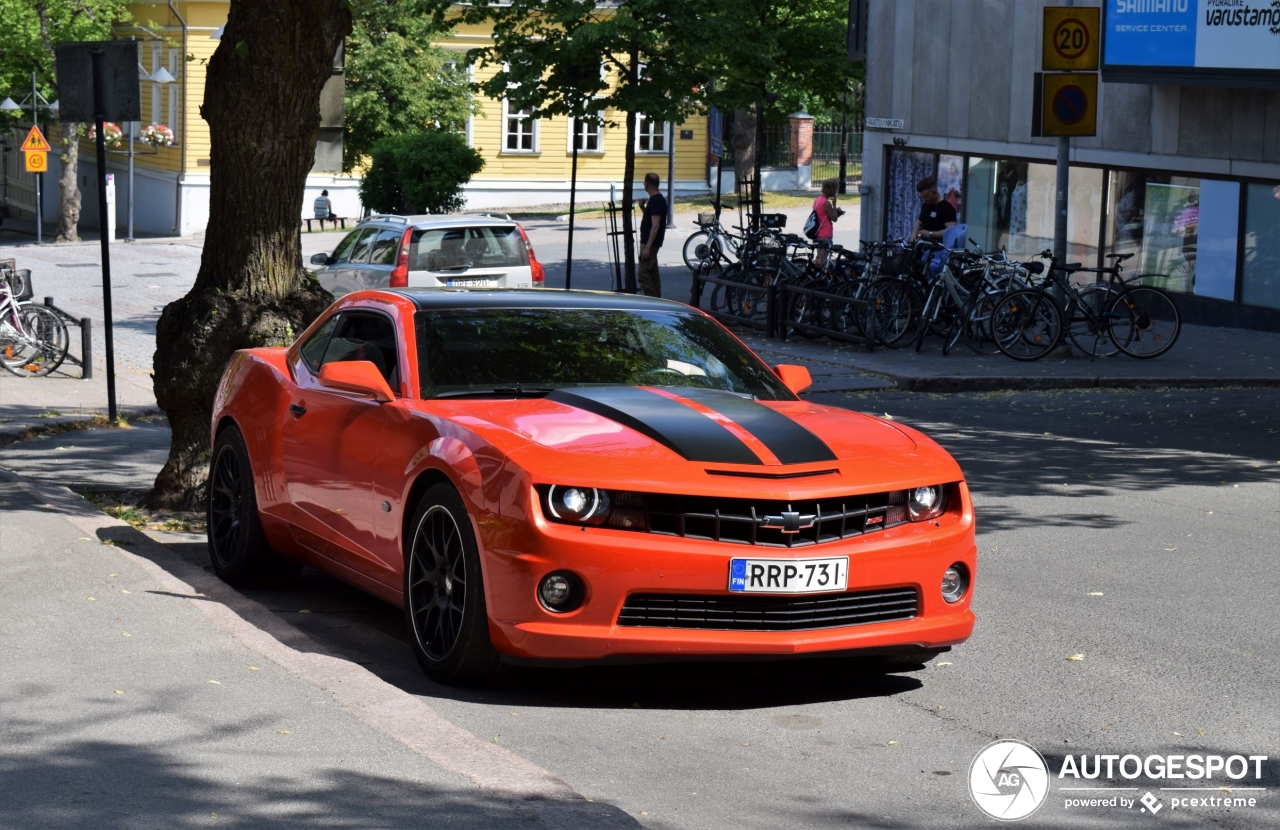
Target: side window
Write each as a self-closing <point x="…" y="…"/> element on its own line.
<point x="360" y="253"/>
<point x="367" y="335"/>
<point x="313" y="350"/>
<point x="343" y="250"/>
<point x="385" y="247"/>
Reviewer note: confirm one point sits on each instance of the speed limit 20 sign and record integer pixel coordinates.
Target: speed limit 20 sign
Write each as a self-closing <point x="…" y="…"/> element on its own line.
<point x="1071" y="38"/>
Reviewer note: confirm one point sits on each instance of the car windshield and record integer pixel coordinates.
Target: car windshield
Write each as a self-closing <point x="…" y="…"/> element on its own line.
<point x="529" y="351"/>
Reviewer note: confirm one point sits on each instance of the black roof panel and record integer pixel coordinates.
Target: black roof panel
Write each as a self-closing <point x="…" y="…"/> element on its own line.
<point x="433" y="298"/>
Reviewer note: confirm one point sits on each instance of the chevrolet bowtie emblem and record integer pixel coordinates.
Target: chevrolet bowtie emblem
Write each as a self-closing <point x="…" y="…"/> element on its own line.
<point x="790" y="522"/>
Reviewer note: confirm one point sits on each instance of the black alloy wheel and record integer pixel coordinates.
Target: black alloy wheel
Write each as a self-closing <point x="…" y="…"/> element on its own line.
<point x="443" y="592"/>
<point x="238" y="547"/>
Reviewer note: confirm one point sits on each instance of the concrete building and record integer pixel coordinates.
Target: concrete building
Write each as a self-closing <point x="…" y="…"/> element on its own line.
<point x="1184" y="170"/>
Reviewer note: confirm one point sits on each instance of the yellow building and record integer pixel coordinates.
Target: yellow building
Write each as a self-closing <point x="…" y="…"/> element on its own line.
<point x="171" y="183"/>
<point x="527" y="160"/>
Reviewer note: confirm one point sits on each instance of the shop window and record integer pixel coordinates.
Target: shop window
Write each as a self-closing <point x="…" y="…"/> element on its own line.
<point x="951" y="181"/>
<point x="902" y="203"/>
<point x="1010" y="206"/>
<point x="1182" y="229"/>
<point x="1262" y="246"/>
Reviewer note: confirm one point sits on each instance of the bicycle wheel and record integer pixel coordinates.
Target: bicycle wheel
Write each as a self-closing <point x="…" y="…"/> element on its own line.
<point x="752" y="304"/>
<point x="1144" y="322"/>
<point x="1090" y="327"/>
<point x="1026" y="325"/>
<point x="701" y="250"/>
<point x="897" y="307"/>
<point x="977" y="326"/>
<point x="42" y="349"/>
<point x="928" y="317"/>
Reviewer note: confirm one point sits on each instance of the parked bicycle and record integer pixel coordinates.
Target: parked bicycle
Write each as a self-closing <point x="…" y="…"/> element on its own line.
<point x="1139" y="320"/>
<point x="33" y="339"/>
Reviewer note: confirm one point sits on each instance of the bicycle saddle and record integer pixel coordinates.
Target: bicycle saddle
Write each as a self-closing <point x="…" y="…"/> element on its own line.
<point x="1034" y="267"/>
<point x="1119" y="257"/>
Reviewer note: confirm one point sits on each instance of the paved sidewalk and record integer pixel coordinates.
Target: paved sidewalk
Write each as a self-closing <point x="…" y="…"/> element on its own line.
<point x="1203" y="357"/>
<point x="138" y="690"/>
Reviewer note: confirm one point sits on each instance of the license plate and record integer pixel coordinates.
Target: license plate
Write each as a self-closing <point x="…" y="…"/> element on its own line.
<point x="471" y="283"/>
<point x="788" y="576"/>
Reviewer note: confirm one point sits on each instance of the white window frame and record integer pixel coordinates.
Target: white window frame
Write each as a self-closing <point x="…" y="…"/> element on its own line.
<point x="661" y="134"/>
<point x="569" y="131"/>
<point x="533" y="127"/>
<point x="175" y="68"/>
<point x="471" y="119"/>
<point x="156" y="112"/>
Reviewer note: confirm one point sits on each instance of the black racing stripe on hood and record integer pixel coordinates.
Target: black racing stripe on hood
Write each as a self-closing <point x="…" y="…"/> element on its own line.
<point x="677" y="427"/>
<point x="790" y="442"/>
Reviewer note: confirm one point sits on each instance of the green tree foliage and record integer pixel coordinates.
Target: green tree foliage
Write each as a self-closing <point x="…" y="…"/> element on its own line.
<point x="419" y="173"/>
<point x="28" y="31"/>
<point x="576" y="57"/>
<point x="397" y="82"/>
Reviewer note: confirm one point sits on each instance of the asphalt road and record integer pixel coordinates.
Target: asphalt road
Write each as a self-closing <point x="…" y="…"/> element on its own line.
<point x="1139" y="530"/>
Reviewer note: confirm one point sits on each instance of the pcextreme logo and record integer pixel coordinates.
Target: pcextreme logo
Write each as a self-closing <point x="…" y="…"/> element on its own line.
<point x="1010" y="780"/>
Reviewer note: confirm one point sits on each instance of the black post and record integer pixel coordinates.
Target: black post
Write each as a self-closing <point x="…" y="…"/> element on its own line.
<point x="99" y="117"/>
<point x="86" y="348"/>
<point x="573" y="198"/>
<point x="844" y="143"/>
<point x="757" y="187"/>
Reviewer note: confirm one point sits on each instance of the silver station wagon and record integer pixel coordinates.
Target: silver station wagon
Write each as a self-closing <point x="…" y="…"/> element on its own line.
<point x="448" y="251"/>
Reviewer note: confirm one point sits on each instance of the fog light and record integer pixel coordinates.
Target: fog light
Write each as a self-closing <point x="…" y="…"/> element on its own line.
<point x="561" y="592"/>
<point x="955" y="581"/>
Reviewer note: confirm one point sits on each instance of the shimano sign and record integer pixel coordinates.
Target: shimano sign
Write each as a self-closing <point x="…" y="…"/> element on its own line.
<point x="1195" y="39"/>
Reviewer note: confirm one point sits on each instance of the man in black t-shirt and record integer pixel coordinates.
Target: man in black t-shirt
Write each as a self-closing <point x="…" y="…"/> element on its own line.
<point x="653" y="227"/>
<point x="936" y="214"/>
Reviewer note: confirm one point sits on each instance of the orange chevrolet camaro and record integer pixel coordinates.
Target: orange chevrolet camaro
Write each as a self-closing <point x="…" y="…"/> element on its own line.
<point x="578" y="476"/>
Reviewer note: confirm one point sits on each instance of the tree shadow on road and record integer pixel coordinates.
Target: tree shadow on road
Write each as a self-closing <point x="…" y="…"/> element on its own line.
<point x="59" y="774"/>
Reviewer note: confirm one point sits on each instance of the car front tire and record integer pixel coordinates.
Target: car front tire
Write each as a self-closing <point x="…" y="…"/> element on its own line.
<point x="238" y="548"/>
<point x="444" y="606"/>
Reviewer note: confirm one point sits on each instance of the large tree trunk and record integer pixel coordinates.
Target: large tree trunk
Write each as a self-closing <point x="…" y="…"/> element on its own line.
<point x="262" y="103"/>
<point x="69" y="201"/>
<point x="629" y="178"/>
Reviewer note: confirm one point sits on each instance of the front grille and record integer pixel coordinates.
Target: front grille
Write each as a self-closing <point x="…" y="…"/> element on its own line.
<point x="721" y="612"/>
<point x="752" y="522"/>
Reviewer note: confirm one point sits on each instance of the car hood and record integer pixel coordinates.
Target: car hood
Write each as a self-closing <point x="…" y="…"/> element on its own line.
<point x="644" y="437"/>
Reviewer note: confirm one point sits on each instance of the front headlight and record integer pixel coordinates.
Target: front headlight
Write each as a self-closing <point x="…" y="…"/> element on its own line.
<point x="925" y="503"/>
<point x="574" y="505"/>
<point x="578" y="505"/>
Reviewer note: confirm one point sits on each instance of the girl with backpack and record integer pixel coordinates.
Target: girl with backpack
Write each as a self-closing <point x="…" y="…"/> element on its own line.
<point x="820" y="221"/>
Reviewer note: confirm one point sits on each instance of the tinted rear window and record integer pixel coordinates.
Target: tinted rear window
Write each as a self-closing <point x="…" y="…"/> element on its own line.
<point x="456" y="249"/>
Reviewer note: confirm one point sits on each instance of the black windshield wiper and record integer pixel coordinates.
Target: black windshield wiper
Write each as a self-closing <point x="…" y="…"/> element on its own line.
<point x="516" y="391"/>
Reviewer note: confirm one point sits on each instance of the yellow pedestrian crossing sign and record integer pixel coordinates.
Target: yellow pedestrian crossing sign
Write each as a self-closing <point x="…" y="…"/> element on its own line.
<point x="35" y="142"/>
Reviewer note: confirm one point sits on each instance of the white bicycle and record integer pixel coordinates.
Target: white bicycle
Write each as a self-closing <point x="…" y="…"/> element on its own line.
<point x="33" y="339"/>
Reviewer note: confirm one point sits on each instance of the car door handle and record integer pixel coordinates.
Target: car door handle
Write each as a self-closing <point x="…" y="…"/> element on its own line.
<point x="298" y="409"/>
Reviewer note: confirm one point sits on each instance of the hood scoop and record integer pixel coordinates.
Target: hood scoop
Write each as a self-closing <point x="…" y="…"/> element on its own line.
<point x="755" y="474"/>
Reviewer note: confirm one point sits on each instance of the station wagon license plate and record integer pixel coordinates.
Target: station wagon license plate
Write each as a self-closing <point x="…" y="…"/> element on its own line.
<point x="468" y="283"/>
<point x="788" y="576"/>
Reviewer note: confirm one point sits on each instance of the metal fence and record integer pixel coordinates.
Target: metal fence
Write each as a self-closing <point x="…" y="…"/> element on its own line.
<point x="826" y="154"/>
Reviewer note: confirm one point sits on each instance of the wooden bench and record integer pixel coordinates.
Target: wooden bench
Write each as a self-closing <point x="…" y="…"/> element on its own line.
<point x="338" y="222"/>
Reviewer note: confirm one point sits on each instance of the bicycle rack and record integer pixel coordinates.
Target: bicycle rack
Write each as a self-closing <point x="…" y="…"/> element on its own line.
<point x="85" y="361"/>
<point x="613" y="234"/>
<point x="777" y="300"/>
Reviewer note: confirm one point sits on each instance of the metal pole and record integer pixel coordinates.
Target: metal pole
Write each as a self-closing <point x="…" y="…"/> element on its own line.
<point x="99" y="116"/>
<point x="671" y="174"/>
<point x="128" y="237"/>
<point x="844" y="143"/>
<point x="573" y="200"/>
<point x="1060" y="203"/>
<point x="35" y="119"/>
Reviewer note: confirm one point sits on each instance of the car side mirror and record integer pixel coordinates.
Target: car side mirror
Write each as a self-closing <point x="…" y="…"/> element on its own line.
<point x="795" y="378"/>
<point x="320" y="259"/>
<point x="359" y="376"/>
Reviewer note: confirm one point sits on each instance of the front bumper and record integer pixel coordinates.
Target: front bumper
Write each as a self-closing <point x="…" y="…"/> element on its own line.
<point x="617" y="563"/>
